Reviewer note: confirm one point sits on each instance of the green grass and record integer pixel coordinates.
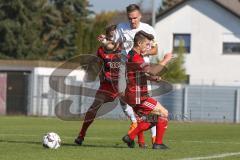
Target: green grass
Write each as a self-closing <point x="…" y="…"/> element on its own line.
<point x="20" y="138"/>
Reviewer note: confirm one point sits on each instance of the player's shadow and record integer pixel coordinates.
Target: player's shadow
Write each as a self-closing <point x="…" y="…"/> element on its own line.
<point x="94" y="146"/>
<point x="66" y="144"/>
<point x="20" y="142"/>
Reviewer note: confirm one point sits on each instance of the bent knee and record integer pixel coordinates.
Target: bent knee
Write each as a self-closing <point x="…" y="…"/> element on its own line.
<point x="162" y="111"/>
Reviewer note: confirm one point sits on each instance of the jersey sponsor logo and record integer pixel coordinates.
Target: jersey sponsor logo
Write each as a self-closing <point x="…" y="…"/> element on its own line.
<point x="114" y="64"/>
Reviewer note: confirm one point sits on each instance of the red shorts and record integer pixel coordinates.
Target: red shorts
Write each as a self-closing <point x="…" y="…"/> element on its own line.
<point x="107" y="91"/>
<point x="145" y="107"/>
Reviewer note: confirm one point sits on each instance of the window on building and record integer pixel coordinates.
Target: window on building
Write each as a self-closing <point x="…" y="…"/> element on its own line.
<point x="182" y="40"/>
<point x="231" y="47"/>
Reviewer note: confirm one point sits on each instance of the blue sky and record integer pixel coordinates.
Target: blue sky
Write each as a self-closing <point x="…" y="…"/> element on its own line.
<point x="110" y="5"/>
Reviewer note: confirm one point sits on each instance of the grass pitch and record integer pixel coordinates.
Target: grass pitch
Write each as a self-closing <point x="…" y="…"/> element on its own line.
<point x="20" y="138"/>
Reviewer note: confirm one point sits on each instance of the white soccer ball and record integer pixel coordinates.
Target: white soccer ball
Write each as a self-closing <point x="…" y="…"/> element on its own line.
<point x="51" y="140"/>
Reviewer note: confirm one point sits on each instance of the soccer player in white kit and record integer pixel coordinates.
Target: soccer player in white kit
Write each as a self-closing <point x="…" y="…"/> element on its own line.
<point x="125" y="34"/>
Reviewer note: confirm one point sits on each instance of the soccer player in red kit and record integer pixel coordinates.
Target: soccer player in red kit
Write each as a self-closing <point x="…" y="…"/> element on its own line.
<point x="107" y="92"/>
<point x="136" y="93"/>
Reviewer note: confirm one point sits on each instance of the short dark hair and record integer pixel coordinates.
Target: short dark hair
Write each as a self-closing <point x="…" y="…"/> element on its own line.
<point x="132" y="7"/>
<point x="110" y="28"/>
<point x="141" y="35"/>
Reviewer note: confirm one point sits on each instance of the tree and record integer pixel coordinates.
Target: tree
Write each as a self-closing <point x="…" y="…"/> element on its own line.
<point x="87" y="32"/>
<point x="19" y="29"/>
<point x="176" y="72"/>
<point x="59" y="26"/>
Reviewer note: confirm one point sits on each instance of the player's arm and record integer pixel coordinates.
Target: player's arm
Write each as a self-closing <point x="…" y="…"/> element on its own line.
<point x="153" y="78"/>
<point x="100" y="64"/>
<point x="101" y="73"/>
<point x="158" y="69"/>
<point x="167" y="57"/>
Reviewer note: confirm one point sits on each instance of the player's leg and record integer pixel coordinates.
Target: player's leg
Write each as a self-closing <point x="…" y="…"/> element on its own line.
<point x="129" y="113"/>
<point x="88" y="120"/>
<point x="153" y="129"/>
<point x="129" y="138"/>
<point x="100" y="98"/>
<point x="151" y="106"/>
<point x="141" y="141"/>
<point x="161" y="126"/>
<point x="144" y="108"/>
<point x="153" y="133"/>
<point x="160" y="110"/>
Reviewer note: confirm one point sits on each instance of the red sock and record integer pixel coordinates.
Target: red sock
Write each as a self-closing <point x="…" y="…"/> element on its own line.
<point x="161" y="128"/>
<point x="141" y="138"/>
<point x="142" y="126"/>
<point x="89" y="118"/>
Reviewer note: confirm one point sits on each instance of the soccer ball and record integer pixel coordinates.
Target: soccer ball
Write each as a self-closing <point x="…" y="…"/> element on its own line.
<point x="51" y="140"/>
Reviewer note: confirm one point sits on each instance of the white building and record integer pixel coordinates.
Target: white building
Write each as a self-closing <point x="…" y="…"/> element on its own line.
<point x="25" y="88"/>
<point x="211" y="32"/>
<point x="47" y="88"/>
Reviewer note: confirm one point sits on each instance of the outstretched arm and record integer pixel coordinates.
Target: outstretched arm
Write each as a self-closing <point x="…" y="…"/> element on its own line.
<point x="167" y="57"/>
<point x="158" y="69"/>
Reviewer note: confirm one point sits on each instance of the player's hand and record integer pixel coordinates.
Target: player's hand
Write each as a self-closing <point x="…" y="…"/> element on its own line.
<point x="101" y="38"/>
<point x="153" y="78"/>
<point x="167" y="57"/>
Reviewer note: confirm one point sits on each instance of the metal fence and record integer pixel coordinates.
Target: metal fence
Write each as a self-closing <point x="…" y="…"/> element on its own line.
<point x="187" y="103"/>
<point x="203" y="103"/>
<point x="44" y="99"/>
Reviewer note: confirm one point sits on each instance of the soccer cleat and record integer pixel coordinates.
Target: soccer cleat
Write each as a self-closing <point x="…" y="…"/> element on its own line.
<point x="142" y="145"/>
<point x="159" y="146"/>
<point x="79" y="140"/>
<point x="130" y="143"/>
<point x="132" y="127"/>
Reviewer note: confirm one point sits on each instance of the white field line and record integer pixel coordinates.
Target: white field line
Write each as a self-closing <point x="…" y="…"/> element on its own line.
<point x="213" y="156"/>
<point x="205" y="142"/>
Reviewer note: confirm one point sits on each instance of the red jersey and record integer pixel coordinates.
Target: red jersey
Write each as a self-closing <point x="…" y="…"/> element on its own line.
<point x="136" y="90"/>
<point x="111" y="63"/>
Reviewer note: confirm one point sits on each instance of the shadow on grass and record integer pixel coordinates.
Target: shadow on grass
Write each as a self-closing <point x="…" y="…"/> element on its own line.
<point x="20" y="142"/>
<point x="66" y="144"/>
<point x="95" y="146"/>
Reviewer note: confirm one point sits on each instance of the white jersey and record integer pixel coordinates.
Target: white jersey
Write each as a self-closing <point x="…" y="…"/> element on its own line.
<point x="125" y="34"/>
